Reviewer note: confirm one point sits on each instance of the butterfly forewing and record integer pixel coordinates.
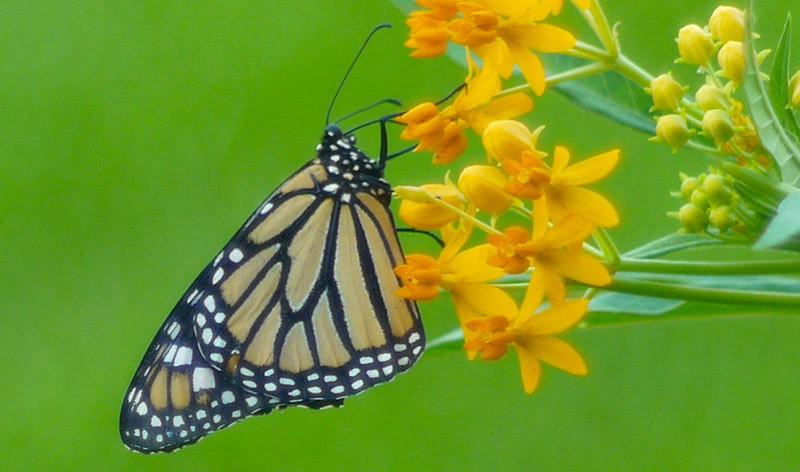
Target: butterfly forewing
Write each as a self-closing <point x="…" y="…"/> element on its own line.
<point x="176" y="397"/>
<point x="300" y="305"/>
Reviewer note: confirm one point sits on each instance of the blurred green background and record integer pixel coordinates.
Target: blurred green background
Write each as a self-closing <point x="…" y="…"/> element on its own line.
<point x="135" y="137"/>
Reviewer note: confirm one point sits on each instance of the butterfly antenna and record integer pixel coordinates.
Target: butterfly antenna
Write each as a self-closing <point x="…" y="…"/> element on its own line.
<point x="393" y="101"/>
<point x="349" y="69"/>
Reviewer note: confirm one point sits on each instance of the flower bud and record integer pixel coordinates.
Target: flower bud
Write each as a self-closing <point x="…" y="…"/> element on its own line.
<point x="692" y="219"/>
<point x="417" y="211"/>
<point x="506" y="139"/>
<point x="695" y="45"/>
<point x="722" y="217"/>
<point x="689" y="185"/>
<point x="727" y="24"/>
<point x="794" y="90"/>
<point x="711" y="98"/>
<point x="672" y="129"/>
<point x="731" y="60"/>
<point x="718" y="190"/>
<point x="667" y="93"/>
<point x="699" y="199"/>
<point x="717" y="124"/>
<point x="483" y="186"/>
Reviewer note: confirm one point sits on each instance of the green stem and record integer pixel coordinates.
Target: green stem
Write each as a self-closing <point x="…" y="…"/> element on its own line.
<point x="576" y="73"/>
<point x="610" y="250"/>
<point x="603" y="31"/>
<point x="707" y="295"/>
<point x="775" y="190"/>
<point x="710" y="268"/>
<point x="631" y="70"/>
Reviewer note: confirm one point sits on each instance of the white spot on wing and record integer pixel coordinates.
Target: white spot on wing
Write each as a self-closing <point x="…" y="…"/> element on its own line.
<point x="202" y="378"/>
<point x="183" y="357"/>
<point x="236" y="255"/>
<point x="210" y="304"/>
<point x="227" y="397"/>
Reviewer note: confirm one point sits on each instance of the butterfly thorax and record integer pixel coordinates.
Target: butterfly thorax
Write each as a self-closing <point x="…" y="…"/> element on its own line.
<point x="349" y="169"/>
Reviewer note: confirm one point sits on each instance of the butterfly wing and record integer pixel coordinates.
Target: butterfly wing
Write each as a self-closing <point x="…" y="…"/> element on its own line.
<point x="176" y="397"/>
<point x="300" y="306"/>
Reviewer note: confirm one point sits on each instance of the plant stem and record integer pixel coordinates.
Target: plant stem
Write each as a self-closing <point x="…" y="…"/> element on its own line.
<point x="707" y="295"/>
<point x="710" y="268"/>
<point x="610" y="250"/>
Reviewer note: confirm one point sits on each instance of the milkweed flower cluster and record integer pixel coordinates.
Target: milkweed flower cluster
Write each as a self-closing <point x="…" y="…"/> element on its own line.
<point x="516" y="226"/>
<point x="562" y="214"/>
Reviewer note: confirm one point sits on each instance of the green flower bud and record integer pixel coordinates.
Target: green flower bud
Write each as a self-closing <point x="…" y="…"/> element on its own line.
<point x="667" y="93"/>
<point x="699" y="199"/>
<point x="727" y="24"/>
<point x="717" y="124"/>
<point x="692" y="219"/>
<point x="672" y="129"/>
<point x="731" y="59"/>
<point x="711" y="98"/>
<point x="695" y="45"/>
<point x="689" y="185"/>
<point x="717" y="189"/>
<point x="794" y="90"/>
<point x="722" y="217"/>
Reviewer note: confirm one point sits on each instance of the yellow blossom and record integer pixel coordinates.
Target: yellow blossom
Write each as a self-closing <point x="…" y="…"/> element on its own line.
<point x="483" y="186"/>
<point x="507" y="257"/>
<point x="556" y="252"/>
<point x="527" y="176"/>
<point x="564" y="196"/>
<point x="428" y="34"/>
<point x="727" y="24"/>
<point x="731" y="60"/>
<point x="531" y="335"/>
<point x="507" y="139"/>
<point x="667" y="93"/>
<point x="465" y="275"/>
<point x="420" y="276"/>
<point x="794" y="90"/>
<point x="504" y="33"/>
<point x="695" y="45"/>
<point x="673" y="130"/>
<point x="422" y="213"/>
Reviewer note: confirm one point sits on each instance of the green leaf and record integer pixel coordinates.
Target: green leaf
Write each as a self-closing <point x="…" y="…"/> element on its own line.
<point x="782" y="145"/>
<point x="747" y="283"/>
<point x="784" y="230"/>
<point x="779" y="79"/>
<point x="609" y="94"/>
<point x="670" y="243"/>
<point x="610" y="302"/>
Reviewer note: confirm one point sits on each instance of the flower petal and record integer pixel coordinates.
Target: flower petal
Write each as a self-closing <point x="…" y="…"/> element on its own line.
<point x="508" y="107"/>
<point x="579" y="266"/>
<point x="589" y="204"/>
<point x="559" y="354"/>
<point x="552" y="282"/>
<point x="534" y="295"/>
<point x="588" y="170"/>
<point x="542" y="37"/>
<point x="471" y="266"/>
<point x="529" y="368"/>
<point x="556" y="319"/>
<point x="560" y="160"/>
<point x="476" y="300"/>
<point x="570" y="229"/>
<point x="530" y="65"/>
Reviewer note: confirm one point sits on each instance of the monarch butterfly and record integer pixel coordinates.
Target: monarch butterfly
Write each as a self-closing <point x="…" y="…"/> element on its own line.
<point x="298" y="309"/>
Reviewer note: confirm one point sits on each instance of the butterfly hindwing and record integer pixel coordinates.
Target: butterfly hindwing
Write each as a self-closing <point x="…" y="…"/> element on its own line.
<point x="300" y="305"/>
<point x="176" y="397"/>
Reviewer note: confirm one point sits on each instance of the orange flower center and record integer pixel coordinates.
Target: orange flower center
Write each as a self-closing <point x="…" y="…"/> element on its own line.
<point x="420" y="277"/>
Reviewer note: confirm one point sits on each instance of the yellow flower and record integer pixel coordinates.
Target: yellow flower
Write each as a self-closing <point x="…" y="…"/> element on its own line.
<point x="563" y="196"/>
<point x="717" y="125"/>
<point x="556" y="5"/>
<point x="420" y="276"/>
<point x="528" y="176"/>
<point x="463" y="274"/>
<point x="673" y="130"/>
<point x="475" y="105"/>
<point x="556" y="252"/>
<point x="731" y="60"/>
<point x="443" y="131"/>
<point x="667" y="93"/>
<point x="507" y="257"/>
<point x="428" y="34"/>
<point x="727" y="24"/>
<point x="531" y="335"/>
<point x="483" y="186"/>
<point x="502" y="42"/>
<point x="695" y="45"/>
<point x="418" y="211"/>
<point x="710" y="97"/>
<point x="436" y="133"/>
<point x="507" y="139"/>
